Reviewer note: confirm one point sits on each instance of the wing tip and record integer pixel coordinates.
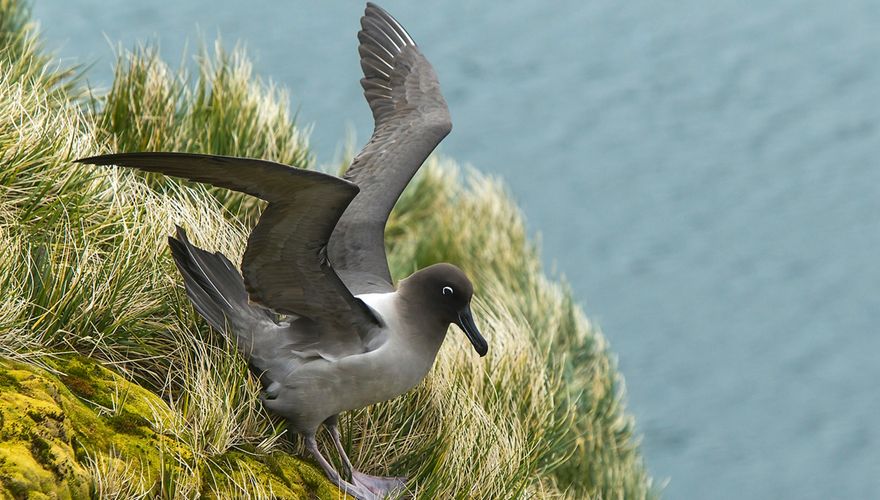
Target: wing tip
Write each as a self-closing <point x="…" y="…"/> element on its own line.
<point x="372" y="6"/>
<point x="95" y="160"/>
<point x="387" y="24"/>
<point x="114" y="158"/>
<point x="180" y="233"/>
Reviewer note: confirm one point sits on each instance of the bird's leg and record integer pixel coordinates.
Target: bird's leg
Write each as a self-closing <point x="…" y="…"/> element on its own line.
<point x="358" y="491"/>
<point x="376" y="484"/>
<point x="337" y="442"/>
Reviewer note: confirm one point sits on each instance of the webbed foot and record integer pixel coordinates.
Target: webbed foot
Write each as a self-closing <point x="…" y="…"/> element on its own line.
<point x="381" y="486"/>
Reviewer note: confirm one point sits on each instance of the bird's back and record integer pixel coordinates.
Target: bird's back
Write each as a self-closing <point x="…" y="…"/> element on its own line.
<point x="274" y="349"/>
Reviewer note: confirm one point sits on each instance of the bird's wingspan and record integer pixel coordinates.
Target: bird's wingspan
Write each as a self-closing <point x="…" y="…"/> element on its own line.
<point x="285" y="265"/>
<point x="411" y="118"/>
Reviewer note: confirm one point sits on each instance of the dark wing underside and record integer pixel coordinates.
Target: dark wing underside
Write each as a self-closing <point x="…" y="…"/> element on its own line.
<point x="285" y="265"/>
<point x="411" y="118"/>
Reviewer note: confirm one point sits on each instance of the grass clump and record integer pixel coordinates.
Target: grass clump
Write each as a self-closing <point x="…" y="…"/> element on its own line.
<point x="115" y="477"/>
<point x="222" y="110"/>
<point x="84" y="269"/>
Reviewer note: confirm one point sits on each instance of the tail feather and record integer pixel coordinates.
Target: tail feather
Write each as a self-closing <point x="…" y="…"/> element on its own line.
<point x="214" y="286"/>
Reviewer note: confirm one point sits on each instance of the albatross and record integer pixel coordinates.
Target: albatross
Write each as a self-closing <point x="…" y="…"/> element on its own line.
<point x="314" y="309"/>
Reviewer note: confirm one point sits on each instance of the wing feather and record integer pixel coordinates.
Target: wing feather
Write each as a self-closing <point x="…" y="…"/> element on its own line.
<point x="411" y="118"/>
<point x="285" y="264"/>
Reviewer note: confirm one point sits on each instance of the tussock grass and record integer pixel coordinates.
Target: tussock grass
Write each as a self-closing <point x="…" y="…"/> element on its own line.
<point x="20" y="46"/>
<point x="84" y="267"/>
<point x="116" y="478"/>
<point x="222" y="110"/>
<point x="239" y="483"/>
<point x="218" y="407"/>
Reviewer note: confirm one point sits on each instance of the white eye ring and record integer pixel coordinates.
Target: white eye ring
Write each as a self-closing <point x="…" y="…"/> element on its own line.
<point x="447" y="290"/>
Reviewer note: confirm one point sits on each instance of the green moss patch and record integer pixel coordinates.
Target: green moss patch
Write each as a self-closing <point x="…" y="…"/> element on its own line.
<point x="36" y="455"/>
<point x="9" y="382"/>
<point x="128" y="423"/>
<point x="50" y="435"/>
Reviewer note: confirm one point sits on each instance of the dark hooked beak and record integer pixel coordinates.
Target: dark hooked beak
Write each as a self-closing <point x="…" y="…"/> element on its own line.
<point x="466" y="323"/>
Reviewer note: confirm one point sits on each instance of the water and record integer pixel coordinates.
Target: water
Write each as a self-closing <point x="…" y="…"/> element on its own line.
<point x="705" y="173"/>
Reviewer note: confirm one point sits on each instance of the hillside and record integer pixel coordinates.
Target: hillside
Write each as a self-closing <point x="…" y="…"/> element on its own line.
<point x="108" y="375"/>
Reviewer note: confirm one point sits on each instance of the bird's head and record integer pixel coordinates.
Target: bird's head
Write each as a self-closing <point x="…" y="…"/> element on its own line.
<point x="446" y="291"/>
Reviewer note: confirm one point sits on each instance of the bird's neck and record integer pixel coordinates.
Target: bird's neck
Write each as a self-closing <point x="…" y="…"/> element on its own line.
<point x="408" y="323"/>
<point x="424" y="333"/>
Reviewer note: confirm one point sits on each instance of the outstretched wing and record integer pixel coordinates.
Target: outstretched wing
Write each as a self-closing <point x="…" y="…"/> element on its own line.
<point x="285" y="265"/>
<point x="411" y="118"/>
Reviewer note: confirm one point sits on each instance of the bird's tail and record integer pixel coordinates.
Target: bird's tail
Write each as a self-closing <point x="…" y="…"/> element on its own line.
<point x="215" y="288"/>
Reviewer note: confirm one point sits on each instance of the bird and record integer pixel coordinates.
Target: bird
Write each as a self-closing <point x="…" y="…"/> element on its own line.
<point x="314" y="309"/>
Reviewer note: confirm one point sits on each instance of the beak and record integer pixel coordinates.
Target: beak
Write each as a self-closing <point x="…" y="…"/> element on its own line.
<point x="466" y="323"/>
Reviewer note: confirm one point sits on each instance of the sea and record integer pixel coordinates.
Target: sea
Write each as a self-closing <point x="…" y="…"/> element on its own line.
<point x="706" y="175"/>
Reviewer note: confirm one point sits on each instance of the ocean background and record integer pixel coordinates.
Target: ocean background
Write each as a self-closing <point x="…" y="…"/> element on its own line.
<point x="705" y="174"/>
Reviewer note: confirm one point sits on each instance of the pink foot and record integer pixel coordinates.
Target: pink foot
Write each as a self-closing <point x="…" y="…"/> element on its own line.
<point x="381" y="486"/>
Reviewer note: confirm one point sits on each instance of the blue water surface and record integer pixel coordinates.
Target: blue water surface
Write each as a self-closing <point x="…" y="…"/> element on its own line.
<point x="705" y="174"/>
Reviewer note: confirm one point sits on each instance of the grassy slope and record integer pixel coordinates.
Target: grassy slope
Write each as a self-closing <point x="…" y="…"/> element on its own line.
<point x="83" y="267"/>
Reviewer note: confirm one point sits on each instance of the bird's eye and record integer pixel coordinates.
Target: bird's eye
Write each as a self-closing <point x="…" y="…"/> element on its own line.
<point x="447" y="290"/>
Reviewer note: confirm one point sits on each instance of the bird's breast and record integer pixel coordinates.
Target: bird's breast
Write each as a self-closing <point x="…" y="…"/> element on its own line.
<point x="401" y="361"/>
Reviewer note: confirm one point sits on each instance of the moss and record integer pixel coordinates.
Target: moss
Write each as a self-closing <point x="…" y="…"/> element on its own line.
<point x="9" y="382"/>
<point x="128" y="423"/>
<point x="36" y="456"/>
<point x="42" y="452"/>
<point x="79" y="386"/>
<point x="79" y="375"/>
<point x="312" y="478"/>
<point x="47" y="453"/>
<point x="285" y="476"/>
<point x="274" y="467"/>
